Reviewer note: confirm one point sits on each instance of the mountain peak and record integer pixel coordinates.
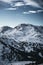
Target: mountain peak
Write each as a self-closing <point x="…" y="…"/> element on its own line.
<point x="23" y="25"/>
<point x="5" y="28"/>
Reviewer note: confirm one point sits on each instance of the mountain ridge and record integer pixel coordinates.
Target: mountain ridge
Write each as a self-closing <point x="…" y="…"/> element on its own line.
<point x="22" y="43"/>
<point x="28" y="31"/>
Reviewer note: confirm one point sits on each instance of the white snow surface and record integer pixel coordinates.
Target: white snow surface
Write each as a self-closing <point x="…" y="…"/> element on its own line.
<point x="22" y="33"/>
<point x="25" y="32"/>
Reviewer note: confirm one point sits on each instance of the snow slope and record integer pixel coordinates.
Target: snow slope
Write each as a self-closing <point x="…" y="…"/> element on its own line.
<point x="26" y="32"/>
<point x="25" y="38"/>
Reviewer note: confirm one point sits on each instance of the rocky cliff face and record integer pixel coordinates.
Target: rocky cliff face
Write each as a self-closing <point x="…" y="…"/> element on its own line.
<point x="24" y="42"/>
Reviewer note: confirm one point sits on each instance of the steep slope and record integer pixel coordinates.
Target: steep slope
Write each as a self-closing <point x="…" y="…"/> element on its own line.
<point x="24" y="42"/>
<point x="27" y="32"/>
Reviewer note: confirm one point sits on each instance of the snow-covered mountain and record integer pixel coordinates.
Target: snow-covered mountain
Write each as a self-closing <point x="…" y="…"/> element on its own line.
<point x="24" y="32"/>
<point x="4" y="29"/>
<point x="22" y="39"/>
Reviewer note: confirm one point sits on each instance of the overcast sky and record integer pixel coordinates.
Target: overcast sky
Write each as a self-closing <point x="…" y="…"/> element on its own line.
<point x="14" y="12"/>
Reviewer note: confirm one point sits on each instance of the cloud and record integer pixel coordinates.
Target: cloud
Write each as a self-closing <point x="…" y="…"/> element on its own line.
<point x="6" y="0"/>
<point x="39" y="11"/>
<point x="19" y="4"/>
<point x="4" y="5"/>
<point x="32" y="3"/>
<point x="10" y="8"/>
<point x="33" y="12"/>
<point x="29" y="12"/>
<point x="26" y="2"/>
